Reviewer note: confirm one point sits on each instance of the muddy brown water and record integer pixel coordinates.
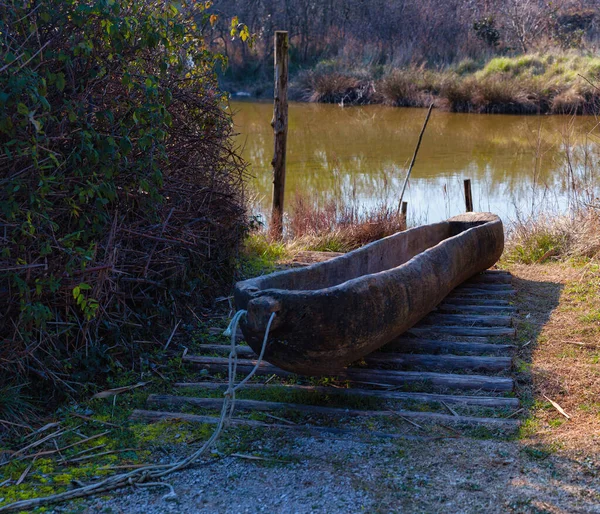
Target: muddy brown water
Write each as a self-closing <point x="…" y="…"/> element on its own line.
<point x="517" y="164"/>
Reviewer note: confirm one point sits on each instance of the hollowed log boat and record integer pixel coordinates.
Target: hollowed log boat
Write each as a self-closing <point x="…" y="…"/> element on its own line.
<point x="333" y="313"/>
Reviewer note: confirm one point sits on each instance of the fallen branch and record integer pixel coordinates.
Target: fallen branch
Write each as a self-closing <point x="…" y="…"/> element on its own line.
<point x="558" y="407"/>
<point x="109" y="393"/>
<point x="24" y="474"/>
<point x="172" y="335"/>
<point x="452" y="411"/>
<point x="58" y="450"/>
<point x="101" y="454"/>
<point x="408" y="420"/>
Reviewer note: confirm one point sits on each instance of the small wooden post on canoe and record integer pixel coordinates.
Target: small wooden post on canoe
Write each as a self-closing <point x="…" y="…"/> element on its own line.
<point x="280" y="128"/>
<point x="468" y="196"/>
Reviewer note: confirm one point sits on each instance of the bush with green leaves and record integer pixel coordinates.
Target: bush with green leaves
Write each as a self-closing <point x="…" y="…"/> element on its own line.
<point x="121" y="196"/>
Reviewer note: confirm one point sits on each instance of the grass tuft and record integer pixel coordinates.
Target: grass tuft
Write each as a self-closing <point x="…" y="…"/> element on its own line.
<point x="541" y="239"/>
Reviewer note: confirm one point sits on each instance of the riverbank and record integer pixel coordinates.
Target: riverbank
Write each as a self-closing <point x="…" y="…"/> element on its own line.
<point x="555" y="83"/>
<point x="551" y="465"/>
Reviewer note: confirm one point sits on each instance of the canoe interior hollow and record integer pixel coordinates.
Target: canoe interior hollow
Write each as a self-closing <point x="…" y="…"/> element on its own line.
<point x="381" y="255"/>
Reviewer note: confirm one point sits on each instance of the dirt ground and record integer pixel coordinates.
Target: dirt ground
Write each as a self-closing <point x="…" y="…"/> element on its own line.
<point x="551" y="466"/>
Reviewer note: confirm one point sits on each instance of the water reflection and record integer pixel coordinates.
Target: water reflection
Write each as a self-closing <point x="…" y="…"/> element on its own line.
<point x="363" y="152"/>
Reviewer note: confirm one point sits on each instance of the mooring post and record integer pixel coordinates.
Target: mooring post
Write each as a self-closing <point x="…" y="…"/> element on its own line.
<point x="280" y="128"/>
<point x="404" y="212"/>
<point x="468" y="196"/>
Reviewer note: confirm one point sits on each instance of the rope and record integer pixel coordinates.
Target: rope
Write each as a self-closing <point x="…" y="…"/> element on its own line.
<point x="150" y="475"/>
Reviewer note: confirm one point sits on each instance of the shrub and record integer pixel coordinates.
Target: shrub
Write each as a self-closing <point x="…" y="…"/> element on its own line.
<point x="402" y="88"/>
<point x="120" y="193"/>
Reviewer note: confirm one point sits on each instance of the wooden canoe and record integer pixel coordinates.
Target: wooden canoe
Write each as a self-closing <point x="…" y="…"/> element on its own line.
<point x="333" y="313"/>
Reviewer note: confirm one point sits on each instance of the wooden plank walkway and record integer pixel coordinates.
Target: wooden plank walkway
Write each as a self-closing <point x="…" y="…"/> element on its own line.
<point x="460" y="354"/>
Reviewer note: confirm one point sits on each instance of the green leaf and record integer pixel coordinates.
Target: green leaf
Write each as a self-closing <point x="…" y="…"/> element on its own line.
<point x="60" y="81"/>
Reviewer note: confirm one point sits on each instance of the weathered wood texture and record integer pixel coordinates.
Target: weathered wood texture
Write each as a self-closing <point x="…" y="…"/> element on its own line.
<point x="481" y="291"/>
<point x="480" y="401"/>
<point x="258" y="405"/>
<point x="440" y="362"/>
<point x="391" y="377"/>
<point x="470" y="320"/>
<point x="463" y="330"/>
<point x="280" y="129"/>
<point x="152" y="416"/>
<point x="409" y="344"/>
<point x="450" y="307"/>
<point x="468" y="196"/>
<point x="333" y="313"/>
<point x="445" y="362"/>
<point x="457" y="300"/>
<point x="491" y="278"/>
<point x="404" y="344"/>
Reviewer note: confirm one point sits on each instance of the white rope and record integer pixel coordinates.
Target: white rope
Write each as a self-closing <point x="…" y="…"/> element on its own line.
<point x="142" y="476"/>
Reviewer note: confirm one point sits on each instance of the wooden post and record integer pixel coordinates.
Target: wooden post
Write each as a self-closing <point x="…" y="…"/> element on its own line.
<point x="468" y="196"/>
<point x="404" y="212"/>
<point x="280" y="128"/>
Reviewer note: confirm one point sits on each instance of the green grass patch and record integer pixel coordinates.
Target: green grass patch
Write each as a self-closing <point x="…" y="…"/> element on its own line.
<point x="261" y="255"/>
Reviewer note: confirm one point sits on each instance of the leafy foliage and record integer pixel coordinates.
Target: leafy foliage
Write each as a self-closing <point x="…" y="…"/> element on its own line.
<point x="485" y="29"/>
<point x="121" y="198"/>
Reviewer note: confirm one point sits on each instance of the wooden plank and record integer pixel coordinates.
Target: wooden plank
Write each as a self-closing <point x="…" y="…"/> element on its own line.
<point x="487" y="278"/>
<point x="391" y="377"/>
<point x="463" y="331"/>
<point x="156" y="400"/>
<point x="467" y="319"/>
<point x="441" y="362"/>
<point x="410" y="344"/>
<point x="476" y="301"/>
<point x="481" y="401"/>
<point x="487" y="286"/>
<point x="478" y="291"/>
<point x="422" y="333"/>
<point x="449" y="307"/>
<point x="153" y="416"/>
<point x="446" y="362"/>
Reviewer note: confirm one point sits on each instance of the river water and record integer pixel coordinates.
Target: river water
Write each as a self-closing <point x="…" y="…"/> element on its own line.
<point x="517" y="164"/>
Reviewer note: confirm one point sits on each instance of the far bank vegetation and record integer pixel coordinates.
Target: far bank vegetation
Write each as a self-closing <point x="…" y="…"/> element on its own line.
<point x="510" y="56"/>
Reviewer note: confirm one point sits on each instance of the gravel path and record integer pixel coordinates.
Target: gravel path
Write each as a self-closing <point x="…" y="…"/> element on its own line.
<point x="341" y="476"/>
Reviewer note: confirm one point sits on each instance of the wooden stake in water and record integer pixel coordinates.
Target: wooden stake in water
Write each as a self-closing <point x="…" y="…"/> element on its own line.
<point x="280" y="128"/>
<point x="414" y="158"/>
<point x="404" y="212"/>
<point x="468" y="196"/>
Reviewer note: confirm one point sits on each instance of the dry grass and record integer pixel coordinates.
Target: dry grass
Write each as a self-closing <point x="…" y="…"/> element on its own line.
<point x="525" y="84"/>
<point x="338" y="226"/>
<point x="562" y="301"/>
<point x="545" y="237"/>
<point x="329" y="85"/>
<point x="412" y="87"/>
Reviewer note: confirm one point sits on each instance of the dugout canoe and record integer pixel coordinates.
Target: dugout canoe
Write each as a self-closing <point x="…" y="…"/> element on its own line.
<point x="333" y="313"/>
